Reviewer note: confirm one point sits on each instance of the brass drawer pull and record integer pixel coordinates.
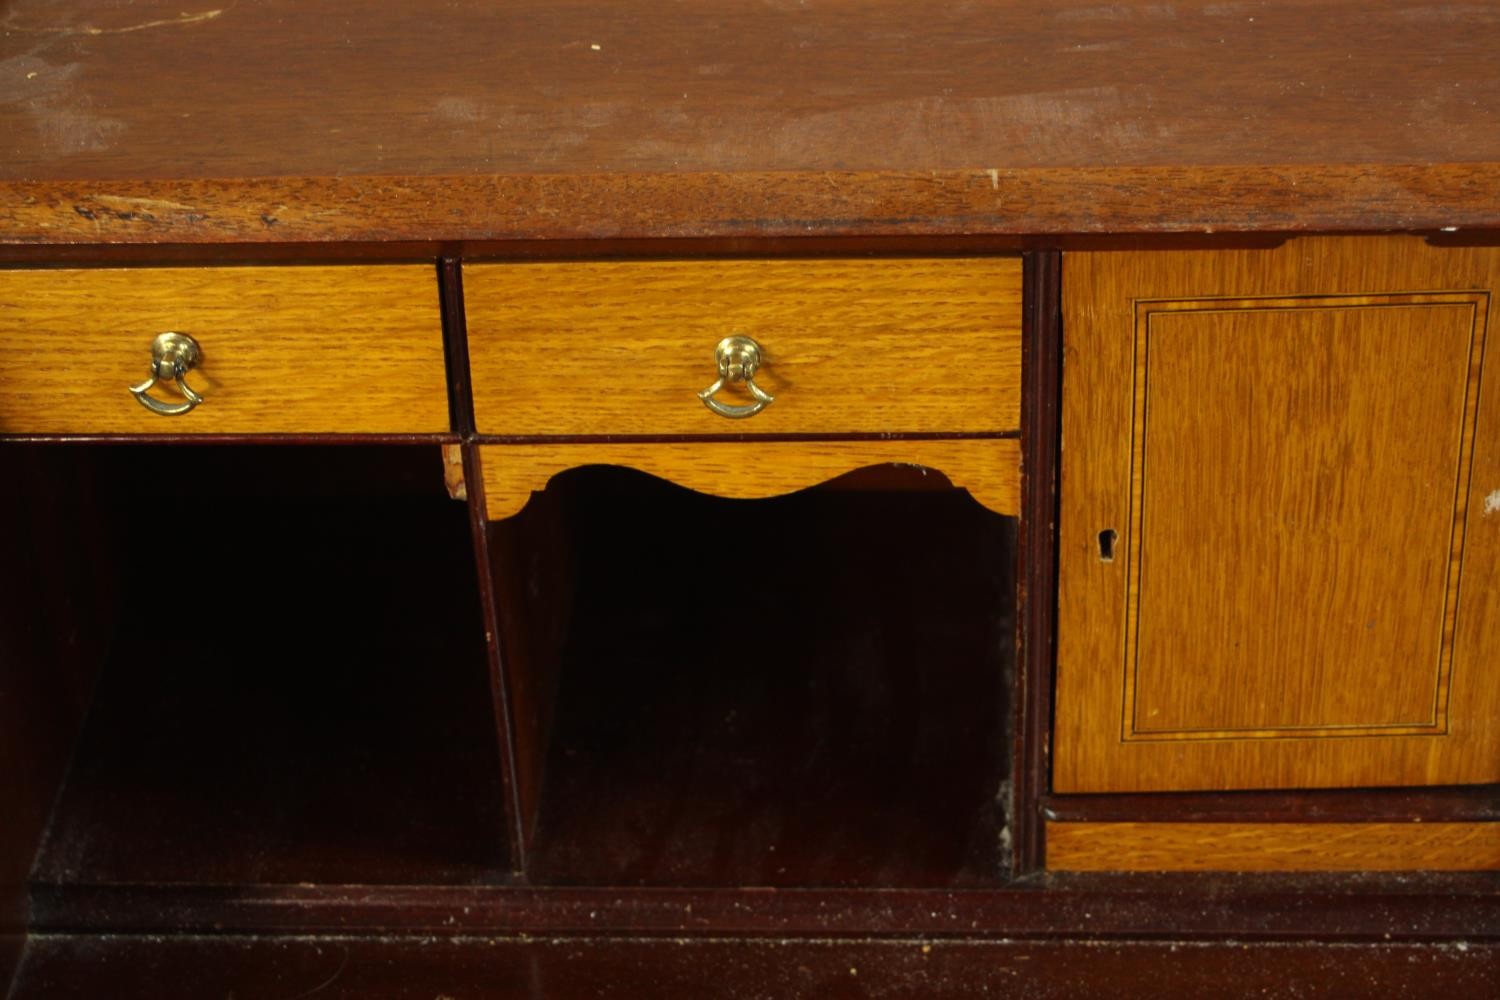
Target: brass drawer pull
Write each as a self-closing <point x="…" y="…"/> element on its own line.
<point x="173" y="355"/>
<point x="739" y="360"/>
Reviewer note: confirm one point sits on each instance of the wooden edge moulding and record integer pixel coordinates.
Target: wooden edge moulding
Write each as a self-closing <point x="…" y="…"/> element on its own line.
<point x="1283" y="847"/>
<point x="989" y="468"/>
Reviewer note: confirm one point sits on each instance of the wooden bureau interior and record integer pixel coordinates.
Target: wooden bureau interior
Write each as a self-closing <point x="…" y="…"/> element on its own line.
<point x="784" y="528"/>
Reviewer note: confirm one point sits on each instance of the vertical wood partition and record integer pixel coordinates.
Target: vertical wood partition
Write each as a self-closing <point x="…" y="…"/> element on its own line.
<point x="1041" y="374"/>
<point x="456" y="342"/>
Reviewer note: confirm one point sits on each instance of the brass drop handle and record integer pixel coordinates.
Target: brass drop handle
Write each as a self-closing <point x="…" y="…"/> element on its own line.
<point x="739" y="360"/>
<point x="173" y="355"/>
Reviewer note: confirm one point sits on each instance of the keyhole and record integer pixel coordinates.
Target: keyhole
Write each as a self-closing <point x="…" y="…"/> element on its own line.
<point x="1107" y="545"/>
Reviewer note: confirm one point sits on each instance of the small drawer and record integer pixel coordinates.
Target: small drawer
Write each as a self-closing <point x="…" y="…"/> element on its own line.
<point x="845" y="346"/>
<point x="282" y="350"/>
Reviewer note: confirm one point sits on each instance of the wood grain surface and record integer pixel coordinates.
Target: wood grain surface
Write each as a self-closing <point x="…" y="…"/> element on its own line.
<point x="896" y="345"/>
<point x="286" y="350"/>
<point x="267" y="120"/>
<point x="1293" y="451"/>
<point x="1335" y="425"/>
<point x="1273" y="847"/>
<point x="990" y="469"/>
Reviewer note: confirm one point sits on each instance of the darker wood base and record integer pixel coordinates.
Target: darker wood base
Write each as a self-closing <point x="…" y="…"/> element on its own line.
<point x="65" y="966"/>
<point x="1207" y="906"/>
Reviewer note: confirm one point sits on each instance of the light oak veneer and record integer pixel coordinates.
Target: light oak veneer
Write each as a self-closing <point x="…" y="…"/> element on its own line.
<point x="286" y="350"/>
<point x="989" y="468"/>
<point x="849" y="345"/>
<point x="1293" y="449"/>
<point x="1284" y="847"/>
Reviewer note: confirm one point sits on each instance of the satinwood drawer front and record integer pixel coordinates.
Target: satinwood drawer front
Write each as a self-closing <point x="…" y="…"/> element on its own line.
<point x="274" y="350"/>
<point x="1279" y="541"/>
<point x="844" y="346"/>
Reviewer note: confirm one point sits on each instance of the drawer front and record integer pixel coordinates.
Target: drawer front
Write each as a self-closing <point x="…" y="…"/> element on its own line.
<point x="847" y="346"/>
<point x="284" y="350"/>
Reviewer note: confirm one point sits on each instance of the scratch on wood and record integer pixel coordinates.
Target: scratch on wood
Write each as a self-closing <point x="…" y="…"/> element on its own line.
<point x="343" y="964"/>
<point x="453" y="472"/>
<point x="124" y="209"/>
<point x="87" y="29"/>
<point x="120" y="201"/>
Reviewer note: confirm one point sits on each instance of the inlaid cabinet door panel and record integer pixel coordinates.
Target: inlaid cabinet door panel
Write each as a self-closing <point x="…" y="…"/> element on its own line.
<point x="1280" y="529"/>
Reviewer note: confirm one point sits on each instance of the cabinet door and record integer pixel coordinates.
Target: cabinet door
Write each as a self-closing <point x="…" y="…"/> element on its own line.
<point x="1280" y="525"/>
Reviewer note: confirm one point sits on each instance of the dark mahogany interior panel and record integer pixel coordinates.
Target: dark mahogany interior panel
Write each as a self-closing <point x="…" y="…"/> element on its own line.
<point x="54" y="607"/>
<point x="296" y="690"/>
<point x="804" y="691"/>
